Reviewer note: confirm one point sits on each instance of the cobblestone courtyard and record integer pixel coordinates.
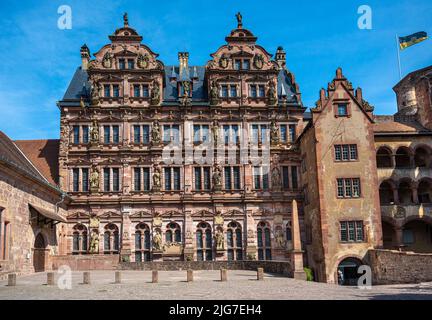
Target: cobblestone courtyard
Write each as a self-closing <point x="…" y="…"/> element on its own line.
<point x="206" y="285"/>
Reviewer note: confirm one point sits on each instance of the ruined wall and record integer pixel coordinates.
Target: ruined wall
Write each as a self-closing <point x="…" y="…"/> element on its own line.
<point x="391" y="267"/>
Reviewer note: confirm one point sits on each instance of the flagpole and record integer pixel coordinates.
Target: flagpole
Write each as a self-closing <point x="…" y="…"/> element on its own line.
<point x="398" y="54"/>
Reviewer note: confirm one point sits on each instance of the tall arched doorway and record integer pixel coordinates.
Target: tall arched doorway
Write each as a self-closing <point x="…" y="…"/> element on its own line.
<point x="347" y="271"/>
<point x="39" y="253"/>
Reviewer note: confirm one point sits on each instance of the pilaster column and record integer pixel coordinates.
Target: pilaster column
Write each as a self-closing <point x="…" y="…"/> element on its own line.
<point x="395" y="195"/>
<point x="297" y="253"/>
<point x="399" y="238"/>
<point x="189" y="249"/>
<point x="414" y="192"/>
<point x="125" y="250"/>
<point x="251" y="243"/>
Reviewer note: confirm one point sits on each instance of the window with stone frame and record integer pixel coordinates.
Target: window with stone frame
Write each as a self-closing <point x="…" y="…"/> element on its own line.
<point x="256" y="90"/>
<point x="142" y="243"/>
<point x="111" y="134"/>
<point x="352" y="231"/>
<point x="111" y="179"/>
<point x="201" y="133"/>
<point x="111" y="239"/>
<point x="79" y="239"/>
<point x="264" y="241"/>
<point x="348" y="188"/>
<point x="202" y="178"/>
<point x="4" y="236"/>
<point x="345" y="152"/>
<point x="234" y="241"/>
<point x="232" y="178"/>
<point x="172" y="178"/>
<point x="204" y="242"/>
<point x="141" y="179"/>
<point x="173" y="233"/>
<point x="141" y="134"/>
<point x="171" y="133"/>
<point x="231" y="133"/>
<point x="80" y="179"/>
<point x="80" y="134"/>
<point x="260" y="134"/>
<point x="261" y="177"/>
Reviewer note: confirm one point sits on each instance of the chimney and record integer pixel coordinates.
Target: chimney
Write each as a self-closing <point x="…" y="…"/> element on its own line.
<point x="339" y="74"/>
<point x="85" y="57"/>
<point x="183" y="64"/>
<point x="281" y="57"/>
<point x="359" y="95"/>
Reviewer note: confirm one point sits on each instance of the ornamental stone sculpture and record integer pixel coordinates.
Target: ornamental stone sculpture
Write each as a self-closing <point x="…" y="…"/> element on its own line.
<point x="276" y="179"/>
<point x="220" y="240"/>
<point x="94" y="242"/>
<point x="271" y="94"/>
<point x="217" y="178"/>
<point x="94" y="133"/>
<point x="157" y="241"/>
<point x="143" y="61"/>
<point x="94" y="180"/>
<point x="156" y="134"/>
<point x="280" y="240"/>
<point x="215" y="132"/>
<point x="157" y="179"/>
<point x="107" y="60"/>
<point x="95" y="93"/>
<point x="155" y="94"/>
<point x="214" y="95"/>
<point x="274" y="134"/>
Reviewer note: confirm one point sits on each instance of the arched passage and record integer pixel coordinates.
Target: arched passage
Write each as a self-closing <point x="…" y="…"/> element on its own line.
<point x="389" y="235"/>
<point x="384" y="158"/>
<point x="403" y="158"/>
<point x="405" y="193"/>
<point x="424" y="191"/>
<point x="386" y="193"/>
<point x="417" y="236"/>
<point x="39" y="253"/>
<point x="348" y="271"/>
<point x="422" y="157"/>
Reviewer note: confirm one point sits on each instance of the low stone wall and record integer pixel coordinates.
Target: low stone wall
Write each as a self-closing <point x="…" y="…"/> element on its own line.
<point x="279" y="267"/>
<point x="392" y="267"/>
<point x="86" y="262"/>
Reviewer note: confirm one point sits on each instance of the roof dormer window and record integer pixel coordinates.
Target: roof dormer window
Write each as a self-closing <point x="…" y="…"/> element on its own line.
<point x="122" y="64"/>
<point x="131" y="64"/>
<point x="246" y="64"/>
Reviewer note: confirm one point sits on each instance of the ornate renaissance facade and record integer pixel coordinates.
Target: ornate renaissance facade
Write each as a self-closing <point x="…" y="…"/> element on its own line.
<point x="222" y="163"/>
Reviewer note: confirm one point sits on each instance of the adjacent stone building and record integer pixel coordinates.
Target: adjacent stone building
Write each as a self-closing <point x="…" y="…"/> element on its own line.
<point x="222" y="162"/>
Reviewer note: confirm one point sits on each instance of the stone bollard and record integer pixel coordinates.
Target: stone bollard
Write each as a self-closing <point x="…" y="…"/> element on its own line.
<point x="86" y="277"/>
<point x="189" y="275"/>
<point x="11" y="279"/>
<point x="117" y="277"/>
<point x="155" y="276"/>
<point x="260" y="274"/>
<point x="50" y="278"/>
<point x="223" y="274"/>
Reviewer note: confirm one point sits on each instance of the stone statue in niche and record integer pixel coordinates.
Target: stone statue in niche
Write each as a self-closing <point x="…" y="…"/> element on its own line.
<point x="94" y="133"/>
<point x="271" y="94"/>
<point x="276" y="178"/>
<point x="94" y="180"/>
<point x="214" y="95"/>
<point x="64" y="135"/>
<point x="155" y="94"/>
<point x="156" y="134"/>
<point x="107" y="60"/>
<point x="239" y="19"/>
<point x="218" y="219"/>
<point x="94" y="222"/>
<point x="186" y="88"/>
<point x="220" y="240"/>
<point x="157" y="179"/>
<point x="215" y="132"/>
<point x="259" y="61"/>
<point x="143" y="61"/>
<point x="95" y="92"/>
<point x="217" y="178"/>
<point x="274" y="133"/>
<point x="94" y="242"/>
<point x="280" y="239"/>
<point x="157" y="241"/>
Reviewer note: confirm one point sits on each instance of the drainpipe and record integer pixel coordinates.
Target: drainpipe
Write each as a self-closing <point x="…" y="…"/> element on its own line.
<point x="63" y="196"/>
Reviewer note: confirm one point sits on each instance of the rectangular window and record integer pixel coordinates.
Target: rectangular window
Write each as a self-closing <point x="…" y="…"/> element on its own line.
<point x="353" y="152"/>
<point x="75" y="180"/>
<point x="136" y="130"/>
<point x="131" y="64"/>
<point x="207" y="178"/>
<point x="246" y="64"/>
<point x="176" y="178"/>
<point x="196" y="131"/>
<point x="146" y="179"/>
<point x="85" y="134"/>
<point x="263" y="133"/>
<point x="166" y="133"/>
<point x="146" y="134"/>
<point x="345" y="152"/>
<point x="348" y="188"/>
<point x="116" y="179"/>
<point x="338" y="153"/>
<point x="342" y="109"/>
<point x="107" y="91"/>
<point x="294" y="178"/>
<point x="122" y="64"/>
<point x="197" y="178"/>
<point x="257" y="180"/>
<point x="107" y="133"/>
<point x="145" y="89"/>
<point x="253" y="91"/>
<point x="136" y="90"/>
<point x="233" y="91"/>
<point x="226" y="131"/>
<point x="224" y="93"/>
<point x="265" y="179"/>
<point x="137" y="179"/>
<point x="76" y="134"/>
<point x="167" y="175"/>
<point x="116" y="134"/>
<point x="292" y="132"/>
<point x="261" y="91"/>
<point x="106" y="179"/>
<point x="283" y="133"/>
<point x="175" y="133"/>
<point x="255" y="134"/>
<point x="236" y="171"/>
<point x="285" y="177"/>
<point x="85" y="179"/>
<point x="116" y="91"/>
<point x="227" y="175"/>
<point x="351" y="231"/>
<point x="237" y="64"/>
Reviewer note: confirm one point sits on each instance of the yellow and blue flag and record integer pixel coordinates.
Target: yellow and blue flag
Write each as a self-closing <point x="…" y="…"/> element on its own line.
<point x="408" y="41"/>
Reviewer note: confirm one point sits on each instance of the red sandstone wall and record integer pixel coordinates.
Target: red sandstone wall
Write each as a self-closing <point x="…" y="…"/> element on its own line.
<point x="90" y="262"/>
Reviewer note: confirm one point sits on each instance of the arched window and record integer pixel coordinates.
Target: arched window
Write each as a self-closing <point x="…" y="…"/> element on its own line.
<point x="384" y="158"/>
<point x="234" y="241"/>
<point x="142" y="242"/>
<point x="79" y="241"/>
<point x="173" y="233"/>
<point x="111" y="239"/>
<point x="421" y="158"/>
<point x="425" y="191"/>
<point x="264" y="241"/>
<point x="204" y="242"/>
<point x="386" y="193"/>
<point x="403" y="158"/>
<point x="405" y="192"/>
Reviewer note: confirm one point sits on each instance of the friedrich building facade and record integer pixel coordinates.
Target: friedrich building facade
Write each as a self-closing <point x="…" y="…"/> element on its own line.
<point x="222" y="162"/>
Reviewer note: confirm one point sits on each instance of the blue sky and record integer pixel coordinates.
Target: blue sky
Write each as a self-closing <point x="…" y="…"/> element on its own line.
<point x="38" y="59"/>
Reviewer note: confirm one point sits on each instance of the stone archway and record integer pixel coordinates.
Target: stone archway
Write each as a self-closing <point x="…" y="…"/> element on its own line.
<point x="39" y="253"/>
<point x="347" y="271"/>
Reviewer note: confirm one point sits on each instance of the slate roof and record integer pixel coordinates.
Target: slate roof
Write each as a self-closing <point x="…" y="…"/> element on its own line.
<point x="80" y="86"/>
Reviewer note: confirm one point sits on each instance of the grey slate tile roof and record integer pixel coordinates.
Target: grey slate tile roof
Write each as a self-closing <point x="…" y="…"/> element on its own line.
<point x="79" y="86"/>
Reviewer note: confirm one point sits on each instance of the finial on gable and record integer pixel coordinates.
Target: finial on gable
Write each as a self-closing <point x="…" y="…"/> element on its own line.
<point x="239" y="20"/>
<point x="126" y="20"/>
